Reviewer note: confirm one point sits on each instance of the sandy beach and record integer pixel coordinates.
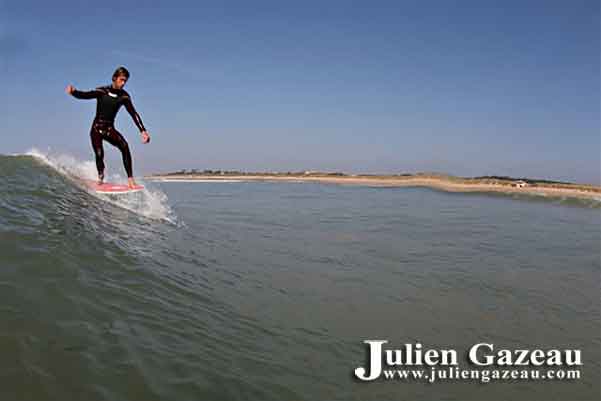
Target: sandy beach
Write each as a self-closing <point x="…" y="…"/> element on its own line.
<point x="441" y="183"/>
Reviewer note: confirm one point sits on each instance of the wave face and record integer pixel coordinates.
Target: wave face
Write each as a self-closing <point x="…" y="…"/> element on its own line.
<point x="76" y="270"/>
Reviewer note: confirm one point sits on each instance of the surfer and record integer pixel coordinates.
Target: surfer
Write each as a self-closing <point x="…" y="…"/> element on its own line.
<point x="109" y="99"/>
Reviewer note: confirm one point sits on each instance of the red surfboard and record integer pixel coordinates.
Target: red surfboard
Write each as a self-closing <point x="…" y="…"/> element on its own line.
<point x="110" y="188"/>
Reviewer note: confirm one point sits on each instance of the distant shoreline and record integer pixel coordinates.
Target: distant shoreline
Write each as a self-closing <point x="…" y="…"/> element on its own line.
<point x="445" y="183"/>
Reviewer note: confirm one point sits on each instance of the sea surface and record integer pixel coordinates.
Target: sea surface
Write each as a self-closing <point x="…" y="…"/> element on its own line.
<point x="267" y="291"/>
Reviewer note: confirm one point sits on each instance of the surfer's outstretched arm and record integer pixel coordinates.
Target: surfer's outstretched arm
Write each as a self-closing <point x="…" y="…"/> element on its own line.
<point x="93" y="94"/>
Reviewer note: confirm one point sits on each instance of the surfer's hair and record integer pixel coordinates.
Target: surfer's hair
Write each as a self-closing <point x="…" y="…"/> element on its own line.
<point x="121" y="71"/>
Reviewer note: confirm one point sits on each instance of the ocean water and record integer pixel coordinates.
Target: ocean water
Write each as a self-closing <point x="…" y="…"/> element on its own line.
<point x="266" y="291"/>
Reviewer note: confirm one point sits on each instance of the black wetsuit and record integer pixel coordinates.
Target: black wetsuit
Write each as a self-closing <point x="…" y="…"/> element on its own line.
<point x="109" y="100"/>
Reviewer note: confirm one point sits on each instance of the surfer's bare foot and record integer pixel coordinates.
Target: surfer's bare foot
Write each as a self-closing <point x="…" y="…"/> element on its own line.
<point x="131" y="183"/>
<point x="100" y="179"/>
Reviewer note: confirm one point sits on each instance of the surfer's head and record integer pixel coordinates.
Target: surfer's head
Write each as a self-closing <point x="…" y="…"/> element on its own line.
<point x="120" y="77"/>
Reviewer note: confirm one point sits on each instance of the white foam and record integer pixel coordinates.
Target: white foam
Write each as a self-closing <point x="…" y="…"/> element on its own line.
<point x="66" y="164"/>
<point x="151" y="202"/>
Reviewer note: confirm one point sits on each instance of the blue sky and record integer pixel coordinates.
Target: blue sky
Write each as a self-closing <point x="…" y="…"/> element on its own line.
<point x="467" y="88"/>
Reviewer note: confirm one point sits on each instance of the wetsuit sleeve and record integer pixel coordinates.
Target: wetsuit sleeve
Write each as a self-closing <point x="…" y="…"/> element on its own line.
<point x="133" y="113"/>
<point x="93" y="94"/>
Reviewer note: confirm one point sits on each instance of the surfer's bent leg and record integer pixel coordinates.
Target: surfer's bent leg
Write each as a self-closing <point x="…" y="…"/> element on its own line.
<point x="116" y="139"/>
<point x="96" y="137"/>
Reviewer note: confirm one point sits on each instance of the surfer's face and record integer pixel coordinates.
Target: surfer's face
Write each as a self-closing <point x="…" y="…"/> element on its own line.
<point x="119" y="82"/>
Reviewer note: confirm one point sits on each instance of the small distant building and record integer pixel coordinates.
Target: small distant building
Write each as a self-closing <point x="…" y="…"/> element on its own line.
<point x="520" y="184"/>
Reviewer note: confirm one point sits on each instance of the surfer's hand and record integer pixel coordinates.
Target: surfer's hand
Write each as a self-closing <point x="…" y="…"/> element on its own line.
<point x="69" y="89"/>
<point x="145" y="137"/>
